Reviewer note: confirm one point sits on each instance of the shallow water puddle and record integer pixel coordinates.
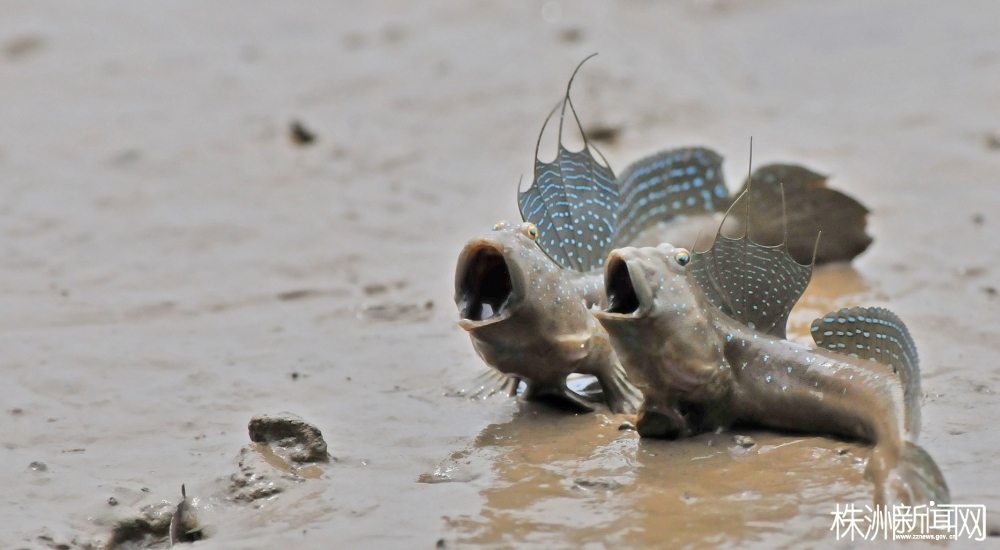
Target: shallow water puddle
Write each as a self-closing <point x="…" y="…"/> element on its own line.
<point x="579" y="480"/>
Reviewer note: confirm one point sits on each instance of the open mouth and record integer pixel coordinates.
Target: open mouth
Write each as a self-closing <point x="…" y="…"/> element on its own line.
<point x="622" y="298"/>
<point x="485" y="287"/>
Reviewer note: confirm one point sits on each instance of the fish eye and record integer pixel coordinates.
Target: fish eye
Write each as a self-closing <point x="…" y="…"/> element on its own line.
<point x="530" y="230"/>
<point x="682" y="257"/>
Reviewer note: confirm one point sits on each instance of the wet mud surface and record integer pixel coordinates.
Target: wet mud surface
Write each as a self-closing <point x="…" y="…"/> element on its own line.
<point x="210" y="212"/>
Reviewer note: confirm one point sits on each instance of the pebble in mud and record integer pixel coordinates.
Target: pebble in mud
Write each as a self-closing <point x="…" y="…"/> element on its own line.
<point x="744" y="441"/>
<point x="38" y="466"/>
<point x="626" y="426"/>
<point x="299" y="134"/>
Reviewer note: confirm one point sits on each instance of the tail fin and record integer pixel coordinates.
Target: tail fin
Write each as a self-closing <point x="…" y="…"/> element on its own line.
<point x="878" y="335"/>
<point x="908" y="476"/>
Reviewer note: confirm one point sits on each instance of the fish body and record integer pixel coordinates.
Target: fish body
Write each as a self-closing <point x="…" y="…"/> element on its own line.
<point x="703" y="337"/>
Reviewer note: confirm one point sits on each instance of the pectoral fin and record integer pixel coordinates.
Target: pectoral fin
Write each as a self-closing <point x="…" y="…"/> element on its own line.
<point x="487" y="384"/>
<point x="621" y="396"/>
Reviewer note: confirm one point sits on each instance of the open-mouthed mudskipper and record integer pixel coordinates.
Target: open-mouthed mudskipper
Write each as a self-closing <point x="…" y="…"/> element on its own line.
<point x="703" y="336"/>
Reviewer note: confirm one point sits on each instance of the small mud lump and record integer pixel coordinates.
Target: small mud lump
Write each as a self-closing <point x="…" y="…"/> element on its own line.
<point x="150" y="529"/>
<point x="300" y="135"/>
<point x="302" y="441"/>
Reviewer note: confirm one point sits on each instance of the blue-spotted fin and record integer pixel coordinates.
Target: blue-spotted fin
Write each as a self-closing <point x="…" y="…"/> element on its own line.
<point x="524" y="291"/>
<point x="703" y="336"/>
<point x="812" y="208"/>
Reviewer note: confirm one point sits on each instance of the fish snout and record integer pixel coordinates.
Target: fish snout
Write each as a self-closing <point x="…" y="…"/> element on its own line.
<point x="628" y="292"/>
<point x="484" y="284"/>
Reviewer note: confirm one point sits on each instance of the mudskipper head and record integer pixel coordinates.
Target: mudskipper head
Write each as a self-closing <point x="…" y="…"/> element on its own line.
<point x="657" y="318"/>
<point x="568" y="212"/>
<point x="668" y="307"/>
<point x="640" y="281"/>
<point x="492" y="275"/>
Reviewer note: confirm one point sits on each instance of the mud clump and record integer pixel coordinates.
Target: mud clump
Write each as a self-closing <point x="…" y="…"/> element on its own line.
<point x="290" y="437"/>
<point x="159" y="525"/>
<point x="150" y="529"/>
<point x="253" y="481"/>
<point x="285" y="443"/>
<point x="300" y="135"/>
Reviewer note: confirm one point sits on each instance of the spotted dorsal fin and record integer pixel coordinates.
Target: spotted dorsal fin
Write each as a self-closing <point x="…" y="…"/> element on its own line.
<point x="878" y="335"/>
<point x="754" y="284"/>
<point x="573" y="201"/>
<point x="672" y="183"/>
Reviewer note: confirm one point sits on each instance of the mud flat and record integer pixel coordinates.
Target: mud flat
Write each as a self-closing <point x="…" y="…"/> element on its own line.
<point x="177" y="258"/>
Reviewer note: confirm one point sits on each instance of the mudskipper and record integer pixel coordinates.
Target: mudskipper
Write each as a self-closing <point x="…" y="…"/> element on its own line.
<point x="703" y="336"/>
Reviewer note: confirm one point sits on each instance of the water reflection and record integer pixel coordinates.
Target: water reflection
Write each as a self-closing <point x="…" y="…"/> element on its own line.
<point x="578" y="481"/>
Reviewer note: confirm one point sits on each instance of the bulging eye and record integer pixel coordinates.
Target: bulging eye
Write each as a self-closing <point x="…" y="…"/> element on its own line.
<point x="682" y="257"/>
<point x="530" y="230"/>
<point x="499" y="226"/>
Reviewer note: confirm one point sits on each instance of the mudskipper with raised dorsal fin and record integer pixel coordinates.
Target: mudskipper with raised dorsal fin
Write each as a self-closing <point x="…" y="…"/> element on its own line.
<point x="703" y="336"/>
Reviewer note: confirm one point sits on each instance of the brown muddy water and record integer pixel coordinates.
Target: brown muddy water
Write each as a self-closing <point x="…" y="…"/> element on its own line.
<point x="172" y="263"/>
